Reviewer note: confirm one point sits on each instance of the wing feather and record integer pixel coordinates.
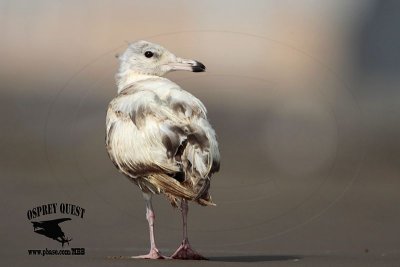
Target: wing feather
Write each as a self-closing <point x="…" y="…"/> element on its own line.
<point x="154" y="133"/>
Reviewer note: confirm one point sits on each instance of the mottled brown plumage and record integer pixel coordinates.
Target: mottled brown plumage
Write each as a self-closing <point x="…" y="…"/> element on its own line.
<point x="180" y="128"/>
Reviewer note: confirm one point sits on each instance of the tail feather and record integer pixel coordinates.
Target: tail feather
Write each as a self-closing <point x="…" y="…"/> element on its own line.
<point x="174" y="190"/>
<point x="169" y="185"/>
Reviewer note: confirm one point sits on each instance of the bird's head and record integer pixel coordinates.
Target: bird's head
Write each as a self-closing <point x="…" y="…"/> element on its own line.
<point x="146" y="58"/>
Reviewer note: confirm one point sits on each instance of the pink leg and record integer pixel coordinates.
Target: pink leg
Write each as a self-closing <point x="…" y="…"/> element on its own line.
<point x="154" y="252"/>
<point x="185" y="252"/>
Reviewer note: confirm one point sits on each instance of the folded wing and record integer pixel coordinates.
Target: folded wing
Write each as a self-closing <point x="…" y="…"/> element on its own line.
<point x="161" y="139"/>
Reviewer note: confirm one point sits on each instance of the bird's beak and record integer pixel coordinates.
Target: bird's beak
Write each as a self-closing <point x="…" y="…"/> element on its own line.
<point x="187" y="64"/>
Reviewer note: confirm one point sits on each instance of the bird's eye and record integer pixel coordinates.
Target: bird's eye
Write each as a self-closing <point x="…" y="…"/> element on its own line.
<point x="148" y="54"/>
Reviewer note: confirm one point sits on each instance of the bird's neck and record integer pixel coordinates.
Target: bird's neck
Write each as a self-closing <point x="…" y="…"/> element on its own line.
<point x="130" y="78"/>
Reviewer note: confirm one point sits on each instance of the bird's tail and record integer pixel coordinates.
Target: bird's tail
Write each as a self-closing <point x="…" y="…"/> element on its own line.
<point x="172" y="187"/>
<point x="166" y="184"/>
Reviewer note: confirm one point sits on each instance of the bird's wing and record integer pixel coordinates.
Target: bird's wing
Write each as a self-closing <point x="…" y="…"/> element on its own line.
<point x="57" y="221"/>
<point x="162" y="131"/>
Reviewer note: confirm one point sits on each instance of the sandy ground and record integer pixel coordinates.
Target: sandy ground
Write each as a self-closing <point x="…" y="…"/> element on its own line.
<point x="248" y="260"/>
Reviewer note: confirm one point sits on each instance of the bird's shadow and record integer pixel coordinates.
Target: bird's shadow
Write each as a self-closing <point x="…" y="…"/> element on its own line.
<point x="255" y="258"/>
<point x="241" y="258"/>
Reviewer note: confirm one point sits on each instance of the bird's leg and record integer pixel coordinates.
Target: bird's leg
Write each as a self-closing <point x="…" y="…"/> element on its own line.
<point x="185" y="252"/>
<point x="154" y="252"/>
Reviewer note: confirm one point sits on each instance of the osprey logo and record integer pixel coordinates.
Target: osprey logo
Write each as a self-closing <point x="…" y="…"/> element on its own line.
<point x="50" y="226"/>
<point x="51" y="229"/>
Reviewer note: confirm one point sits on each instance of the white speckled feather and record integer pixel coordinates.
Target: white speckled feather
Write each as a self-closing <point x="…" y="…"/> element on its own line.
<point x="148" y="123"/>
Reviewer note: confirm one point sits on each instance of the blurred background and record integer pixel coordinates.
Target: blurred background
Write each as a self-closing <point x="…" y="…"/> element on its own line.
<point x="303" y="95"/>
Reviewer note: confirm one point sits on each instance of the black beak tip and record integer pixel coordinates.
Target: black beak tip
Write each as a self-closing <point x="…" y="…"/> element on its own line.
<point x="198" y="67"/>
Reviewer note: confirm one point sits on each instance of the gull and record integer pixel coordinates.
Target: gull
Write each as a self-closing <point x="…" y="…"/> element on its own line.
<point x="158" y="136"/>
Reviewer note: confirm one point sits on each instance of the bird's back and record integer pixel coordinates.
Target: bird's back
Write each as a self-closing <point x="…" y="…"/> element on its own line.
<point x="158" y="135"/>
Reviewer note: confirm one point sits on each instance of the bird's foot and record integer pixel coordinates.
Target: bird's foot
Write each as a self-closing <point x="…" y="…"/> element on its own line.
<point x="154" y="254"/>
<point x="185" y="252"/>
